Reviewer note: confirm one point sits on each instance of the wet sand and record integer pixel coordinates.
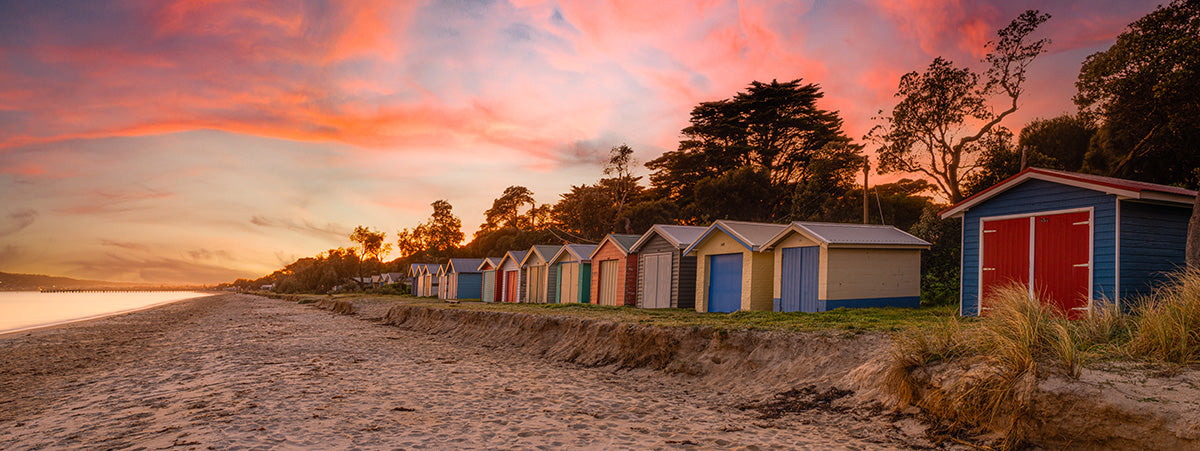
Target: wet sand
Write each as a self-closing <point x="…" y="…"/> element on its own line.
<point x="243" y="372"/>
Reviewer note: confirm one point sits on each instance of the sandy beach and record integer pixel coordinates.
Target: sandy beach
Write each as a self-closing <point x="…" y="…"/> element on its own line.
<point x="243" y="372"/>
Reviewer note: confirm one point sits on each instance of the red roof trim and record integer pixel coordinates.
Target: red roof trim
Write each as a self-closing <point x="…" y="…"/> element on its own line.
<point x="1111" y="182"/>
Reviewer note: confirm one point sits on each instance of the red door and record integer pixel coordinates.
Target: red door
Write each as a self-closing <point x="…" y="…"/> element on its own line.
<point x="1005" y="255"/>
<point x="510" y="286"/>
<point x="1061" y="263"/>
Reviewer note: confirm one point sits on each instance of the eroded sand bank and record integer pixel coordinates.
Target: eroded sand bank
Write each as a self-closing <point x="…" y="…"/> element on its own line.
<point x="235" y="372"/>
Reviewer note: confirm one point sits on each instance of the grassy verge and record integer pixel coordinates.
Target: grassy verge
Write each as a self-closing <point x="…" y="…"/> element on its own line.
<point x="843" y="320"/>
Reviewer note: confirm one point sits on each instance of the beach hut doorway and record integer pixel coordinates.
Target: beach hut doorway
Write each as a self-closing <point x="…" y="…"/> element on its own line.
<point x="656" y="287"/>
<point x="569" y="288"/>
<point x="1050" y="253"/>
<point x="537" y="284"/>
<point x="799" y="281"/>
<point x="608" y="283"/>
<point x="510" y="285"/>
<point x="725" y="283"/>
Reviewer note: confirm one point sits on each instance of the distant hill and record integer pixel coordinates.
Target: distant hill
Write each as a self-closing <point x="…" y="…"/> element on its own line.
<point x="32" y="282"/>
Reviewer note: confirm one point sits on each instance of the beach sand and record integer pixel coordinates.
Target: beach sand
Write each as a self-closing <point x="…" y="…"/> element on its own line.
<point x="244" y="372"/>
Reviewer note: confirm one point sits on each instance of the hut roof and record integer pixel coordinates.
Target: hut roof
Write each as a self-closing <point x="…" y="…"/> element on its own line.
<point x="856" y="235"/>
<point x="622" y="241"/>
<point x="679" y="236"/>
<point x="465" y="265"/>
<point x="752" y="235"/>
<point x="1132" y="189"/>
<point x="543" y="251"/>
<point x="582" y="252"/>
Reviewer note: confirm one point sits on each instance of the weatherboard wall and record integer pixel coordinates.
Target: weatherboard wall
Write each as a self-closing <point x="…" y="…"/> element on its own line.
<point x="625" y="274"/>
<point x="1153" y="240"/>
<point x="683" y="272"/>
<point x="757" y="272"/>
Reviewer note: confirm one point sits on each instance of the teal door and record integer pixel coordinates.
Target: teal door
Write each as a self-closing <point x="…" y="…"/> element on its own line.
<point x="725" y="283"/>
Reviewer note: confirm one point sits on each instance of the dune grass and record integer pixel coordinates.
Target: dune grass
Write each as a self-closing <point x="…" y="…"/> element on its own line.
<point x="839" y="320"/>
<point x="1021" y="340"/>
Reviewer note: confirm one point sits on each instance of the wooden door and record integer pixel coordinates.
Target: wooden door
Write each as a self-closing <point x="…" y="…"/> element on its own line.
<point x="725" y="283"/>
<point x="656" y="281"/>
<point x="799" y="278"/>
<point x="537" y="284"/>
<point x="510" y="286"/>
<point x="568" y="290"/>
<point x="1005" y="256"/>
<point x="609" y="290"/>
<point x="1062" y="261"/>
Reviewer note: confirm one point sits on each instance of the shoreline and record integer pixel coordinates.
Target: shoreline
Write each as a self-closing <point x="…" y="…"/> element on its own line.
<point x="104" y="315"/>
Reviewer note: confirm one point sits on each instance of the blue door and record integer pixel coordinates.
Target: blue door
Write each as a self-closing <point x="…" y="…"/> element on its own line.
<point x="725" y="283"/>
<point x="798" y="279"/>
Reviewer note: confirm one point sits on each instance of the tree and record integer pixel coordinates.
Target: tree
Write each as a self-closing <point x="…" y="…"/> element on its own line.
<point x="943" y="114"/>
<point x="586" y="212"/>
<point x="1144" y="90"/>
<point x="443" y="230"/>
<point x="620" y="161"/>
<point x="506" y="209"/>
<point x="771" y="133"/>
<point x="370" y="242"/>
<point x="1059" y="142"/>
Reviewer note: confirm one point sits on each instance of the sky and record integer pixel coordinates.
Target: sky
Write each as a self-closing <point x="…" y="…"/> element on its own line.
<point x="198" y="141"/>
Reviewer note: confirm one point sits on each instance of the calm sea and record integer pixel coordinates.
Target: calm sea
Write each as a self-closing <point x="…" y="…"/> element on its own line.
<point x="29" y="309"/>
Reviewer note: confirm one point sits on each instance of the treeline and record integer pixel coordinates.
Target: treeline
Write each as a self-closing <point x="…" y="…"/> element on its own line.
<point x="771" y="154"/>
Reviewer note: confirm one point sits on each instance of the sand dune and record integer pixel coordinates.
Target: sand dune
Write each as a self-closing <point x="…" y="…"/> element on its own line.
<point x="237" y="372"/>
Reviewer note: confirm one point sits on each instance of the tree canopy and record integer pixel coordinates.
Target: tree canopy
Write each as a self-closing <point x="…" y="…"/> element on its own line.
<point x="943" y="117"/>
<point x="765" y="141"/>
<point x="1145" y="91"/>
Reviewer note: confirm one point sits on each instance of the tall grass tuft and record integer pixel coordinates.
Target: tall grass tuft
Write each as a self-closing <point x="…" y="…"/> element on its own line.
<point x="1167" y="326"/>
<point x="916" y="348"/>
<point x="1017" y="330"/>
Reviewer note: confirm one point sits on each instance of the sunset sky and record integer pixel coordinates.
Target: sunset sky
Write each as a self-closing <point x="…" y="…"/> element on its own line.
<point x="200" y="141"/>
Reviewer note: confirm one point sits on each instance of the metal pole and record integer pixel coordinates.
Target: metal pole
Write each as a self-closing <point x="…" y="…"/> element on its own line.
<point x="866" y="170"/>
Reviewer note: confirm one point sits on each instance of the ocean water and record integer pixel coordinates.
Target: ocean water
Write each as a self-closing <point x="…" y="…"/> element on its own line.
<point x="29" y="309"/>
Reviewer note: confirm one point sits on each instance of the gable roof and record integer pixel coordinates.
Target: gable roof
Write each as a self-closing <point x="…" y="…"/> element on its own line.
<point x="751" y="235"/>
<point x="489" y="262"/>
<point x="679" y="236"/>
<point x="851" y="235"/>
<point x="622" y="241"/>
<point x="543" y="251"/>
<point x="1122" y="188"/>
<point x="417" y="269"/>
<point x="582" y="252"/>
<point x="516" y="256"/>
<point x="464" y="265"/>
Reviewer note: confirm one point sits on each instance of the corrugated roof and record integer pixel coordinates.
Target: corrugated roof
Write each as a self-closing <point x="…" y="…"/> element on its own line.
<point x="678" y="235"/>
<point x="515" y="256"/>
<point x="853" y="234"/>
<point x="755" y="233"/>
<point x="493" y="261"/>
<point x="622" y="241"/>
<point x="1114" y="182"/>
<point x="625" y="241"/>
<point x="752" y="235"/>
<point x="1108" y="185"/>
<point x="545" y="251"/>
<point x="582" y="252"/>
<point x="466" y="265"/>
